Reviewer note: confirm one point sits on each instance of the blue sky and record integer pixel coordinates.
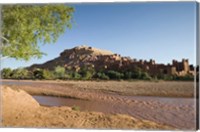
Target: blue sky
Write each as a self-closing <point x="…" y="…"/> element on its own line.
<point x="162" y="31"/>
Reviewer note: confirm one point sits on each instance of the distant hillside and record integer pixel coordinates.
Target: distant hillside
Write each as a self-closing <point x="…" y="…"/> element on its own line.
<point x="75" y="57"/>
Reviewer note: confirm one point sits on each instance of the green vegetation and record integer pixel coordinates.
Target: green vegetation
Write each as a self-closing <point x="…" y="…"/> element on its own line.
<point x="145" y="76"/>
<point x="59" y="72"/>
<point x="76" y="108"/>
<point x="115" y="75"/>
<point x="6" y="73"/>
<point x="86" y="73"/>
<point x="102" y="76"/>
<point x="48" y="75"/>
<point x="20" y="73"/>
<point x="184" y="78"/>
<point x="38" y="74"/>
<point x="76" y="76"/>
<point x="24" y="26"/>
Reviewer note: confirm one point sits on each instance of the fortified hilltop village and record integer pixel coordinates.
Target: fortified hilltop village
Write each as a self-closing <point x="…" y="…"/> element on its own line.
<point x="80" y="56"/>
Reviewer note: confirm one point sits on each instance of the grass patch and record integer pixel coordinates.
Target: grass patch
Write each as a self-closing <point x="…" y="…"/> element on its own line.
<point x="76" y="108"/>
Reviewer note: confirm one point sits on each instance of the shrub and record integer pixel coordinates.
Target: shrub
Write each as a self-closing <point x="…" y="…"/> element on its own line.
<point x="76" y="75"/>
<point x="184" y="78"/>
<point x="167" y="77"/>
<point x="128" y="75"/>
<point x="145" y="76"/>
<point x="87" y="75"/>
<point x="103" y="76"/>
<point x="76" y="108"/>
<point x="115" y="75"/>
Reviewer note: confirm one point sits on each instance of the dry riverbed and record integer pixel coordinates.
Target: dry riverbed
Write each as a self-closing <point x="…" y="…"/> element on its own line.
<point x="163" y="103"/>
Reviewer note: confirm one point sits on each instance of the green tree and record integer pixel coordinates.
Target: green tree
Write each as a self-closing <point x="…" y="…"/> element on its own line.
<point x="60" y="72"/>
<point x="6" y="73"/>
<point x="20" y="73"/>
<point x="137" y="73"/>
<point x="26" y="25"/>
<point x="48" y="74"/>
<point x="38" y="74"/>
<point x="87" y="72"/>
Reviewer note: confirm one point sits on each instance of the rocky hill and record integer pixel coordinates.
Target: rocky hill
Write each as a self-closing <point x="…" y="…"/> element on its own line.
<point x="80" y="56"/>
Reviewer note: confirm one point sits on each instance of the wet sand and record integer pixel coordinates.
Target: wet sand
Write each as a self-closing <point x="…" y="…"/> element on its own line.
<point x="178" y="112"/>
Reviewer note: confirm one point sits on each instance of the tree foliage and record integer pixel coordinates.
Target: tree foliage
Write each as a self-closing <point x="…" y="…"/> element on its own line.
<point x="86" y="72"/>
<point x="6" y="73"/>
<point x="26" y="25"/>
<point x="38" y="74"/>
<point x="59" y="72"/>
<point x="20" y="73"/>
<point x="48" y="74"/>
<point x="102" y="76"/>
<point x="115" y="75"/>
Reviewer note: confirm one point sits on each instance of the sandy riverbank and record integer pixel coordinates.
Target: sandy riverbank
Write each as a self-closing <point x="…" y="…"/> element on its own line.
<point x="21" y="110"/>
<point x="166" y="103"/>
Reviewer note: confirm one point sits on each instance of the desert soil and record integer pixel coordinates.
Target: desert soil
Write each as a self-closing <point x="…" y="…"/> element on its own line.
<point x="163" y="103"/>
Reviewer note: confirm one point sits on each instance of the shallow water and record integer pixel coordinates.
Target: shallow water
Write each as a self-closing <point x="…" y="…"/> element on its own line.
<point x="59" y="101"/>
<point x="62" y="101"/>
<point x="176" y="112"/>
<point x="17" y="82"/>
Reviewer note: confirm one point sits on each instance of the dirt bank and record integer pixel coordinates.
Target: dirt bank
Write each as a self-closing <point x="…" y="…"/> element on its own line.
<point x="132" y="88"/>
<point x="21" y="110"/>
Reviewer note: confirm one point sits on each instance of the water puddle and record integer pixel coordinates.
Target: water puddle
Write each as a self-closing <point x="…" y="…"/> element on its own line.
<point x="83" y="105"/>
<point x="58" y="101"/>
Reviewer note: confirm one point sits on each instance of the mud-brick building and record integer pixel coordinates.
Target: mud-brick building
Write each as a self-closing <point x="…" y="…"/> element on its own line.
<point x="182" y="68"/>
<point x="176" y="68"/>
